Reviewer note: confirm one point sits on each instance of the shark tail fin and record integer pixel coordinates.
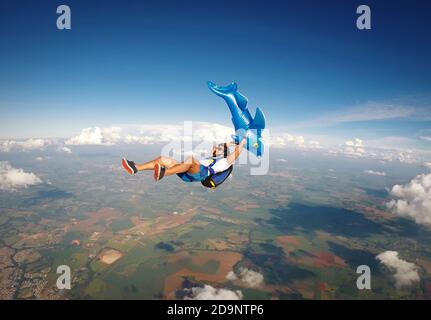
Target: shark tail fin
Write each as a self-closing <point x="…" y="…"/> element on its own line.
<point x="229" y="93"/>
<point x="222" y="90"/>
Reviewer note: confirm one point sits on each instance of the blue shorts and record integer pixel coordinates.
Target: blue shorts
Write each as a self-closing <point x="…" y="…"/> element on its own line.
<point x="201" y="175"/>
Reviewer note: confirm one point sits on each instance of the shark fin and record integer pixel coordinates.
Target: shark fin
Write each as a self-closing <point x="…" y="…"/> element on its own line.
<point x="258" y="121"/>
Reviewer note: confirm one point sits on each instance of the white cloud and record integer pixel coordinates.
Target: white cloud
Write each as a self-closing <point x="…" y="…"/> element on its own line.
<point x="247" y="276"/>
<point x="405" y="273"/>
<point x="287" y="140"/>
<point x="24" y="145"/>
<point x="64" y="149"/>
<point x="406" y="157"/>
<point x="427" y="165"/>
<point x="96" y="136"/>
<point x="131" y="139"/>
<point x="413" y="200"/>
<point x="383" y="153"/>
<point x="231" y="276"/>
<point x="12" y="178"/>
<point x="281" y="160"/>
<point x="157" y="133"/>
<point x="208" y="292"/>
<point x="212" y="132"/>
<point x="296" y="140"/>
<point x="39" y="159"/>
<point x="314" y="144"/>
<point x="426" y="138"/>
<point x="375" y="173"/>
<point x="190" y="131"/>
<point x="354" y="148"/>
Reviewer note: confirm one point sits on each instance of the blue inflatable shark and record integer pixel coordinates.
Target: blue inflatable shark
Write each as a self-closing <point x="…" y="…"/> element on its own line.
<point x="245" y="125"/>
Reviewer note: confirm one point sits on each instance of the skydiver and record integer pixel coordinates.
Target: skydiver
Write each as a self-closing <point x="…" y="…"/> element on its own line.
<point x="191" y="170"/>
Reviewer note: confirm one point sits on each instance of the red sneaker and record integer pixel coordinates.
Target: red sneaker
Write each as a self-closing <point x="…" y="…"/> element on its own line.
<point x="159" y="171"/>
<point x="129" y="166"/>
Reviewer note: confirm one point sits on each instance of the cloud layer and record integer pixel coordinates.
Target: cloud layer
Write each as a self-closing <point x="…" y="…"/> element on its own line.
<point x="208" y="133"/>
<point x="413" y="200"/>
<point x="405" y="273"/>
<point x="147" y="134"/>
<point x="12" y="179"/>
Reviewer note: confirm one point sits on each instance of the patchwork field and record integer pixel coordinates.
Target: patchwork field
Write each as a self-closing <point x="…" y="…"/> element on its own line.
<point x="208" y="266"/>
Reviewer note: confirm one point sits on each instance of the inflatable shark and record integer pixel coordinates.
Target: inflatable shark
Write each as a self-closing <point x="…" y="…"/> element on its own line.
<point x="245" y="125"/>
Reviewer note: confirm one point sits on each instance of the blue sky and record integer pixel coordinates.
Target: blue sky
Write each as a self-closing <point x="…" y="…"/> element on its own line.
<point x="133" y="62"/>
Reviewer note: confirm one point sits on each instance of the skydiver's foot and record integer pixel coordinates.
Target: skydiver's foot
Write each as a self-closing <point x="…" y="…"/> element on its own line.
<point x="159" y="171"/>
<point x="129" y="166"/>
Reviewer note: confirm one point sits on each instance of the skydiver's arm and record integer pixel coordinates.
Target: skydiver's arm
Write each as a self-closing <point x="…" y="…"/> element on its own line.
<point x="238" y="149"/>
<point x="231" y="143"/>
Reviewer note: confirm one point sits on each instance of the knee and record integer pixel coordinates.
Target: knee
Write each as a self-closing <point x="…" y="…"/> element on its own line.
<point x="166" y="161"/>
<point x="189" y="160"/>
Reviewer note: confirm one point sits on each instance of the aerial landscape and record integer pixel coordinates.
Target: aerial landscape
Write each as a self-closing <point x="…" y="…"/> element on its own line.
<point x="300" y="235"/>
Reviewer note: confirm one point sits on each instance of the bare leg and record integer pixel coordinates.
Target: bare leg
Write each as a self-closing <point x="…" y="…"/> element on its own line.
<point x="164" y="161"/>
<point x="190" y="166"/>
